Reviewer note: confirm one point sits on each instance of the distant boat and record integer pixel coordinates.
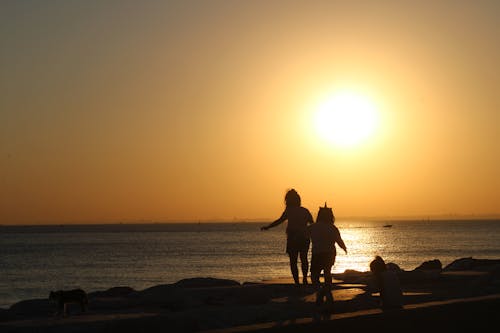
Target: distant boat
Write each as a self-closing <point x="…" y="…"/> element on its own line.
<point x="387" y="225"/>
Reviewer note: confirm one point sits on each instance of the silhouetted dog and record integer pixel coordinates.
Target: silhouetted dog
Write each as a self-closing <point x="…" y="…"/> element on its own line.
<point x="63" y="298"/>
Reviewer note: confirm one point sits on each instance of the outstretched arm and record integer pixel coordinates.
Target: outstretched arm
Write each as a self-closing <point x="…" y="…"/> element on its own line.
<point x="340" y="241"/>
<point x="342" y="245"/>
<point x="309" y="218"/>
<point x="275" y="223"/>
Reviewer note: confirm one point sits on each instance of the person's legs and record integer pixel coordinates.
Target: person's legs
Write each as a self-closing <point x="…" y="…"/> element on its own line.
<point x="293" y="265"/>
<point x="328" y="271"/>
<point x="317" y="263"/>
<point x="328" y="278"/>
<point x="305" y="265"/>
<point x="315" y="271"/>
<point x="328" y="284"/>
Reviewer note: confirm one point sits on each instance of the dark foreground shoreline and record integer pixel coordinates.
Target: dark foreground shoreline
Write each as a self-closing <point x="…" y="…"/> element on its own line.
<point x="464" y="294"/>
<point x="463" y="315"/>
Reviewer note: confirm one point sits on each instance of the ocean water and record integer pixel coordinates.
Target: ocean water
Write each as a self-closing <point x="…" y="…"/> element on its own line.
<point x="35" y="260"/>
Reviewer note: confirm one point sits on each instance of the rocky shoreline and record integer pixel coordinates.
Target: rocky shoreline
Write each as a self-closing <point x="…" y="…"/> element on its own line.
<point x="200" y="304"/>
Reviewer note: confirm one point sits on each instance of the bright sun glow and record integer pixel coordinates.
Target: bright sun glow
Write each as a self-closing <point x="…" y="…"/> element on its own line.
<point x="346" y="119"/>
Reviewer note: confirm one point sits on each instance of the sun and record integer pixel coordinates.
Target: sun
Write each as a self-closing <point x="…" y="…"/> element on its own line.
<point x="346" y="119"/>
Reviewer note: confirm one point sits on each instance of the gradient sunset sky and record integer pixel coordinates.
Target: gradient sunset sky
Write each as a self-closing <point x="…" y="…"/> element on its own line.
<point x="125" y="111"/>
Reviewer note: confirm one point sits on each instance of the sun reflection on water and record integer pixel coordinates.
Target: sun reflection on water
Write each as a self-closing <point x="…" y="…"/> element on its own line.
<point x="363" y="244"/>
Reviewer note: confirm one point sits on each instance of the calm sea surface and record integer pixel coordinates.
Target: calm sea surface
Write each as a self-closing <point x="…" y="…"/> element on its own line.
<point x="35" y="260"/>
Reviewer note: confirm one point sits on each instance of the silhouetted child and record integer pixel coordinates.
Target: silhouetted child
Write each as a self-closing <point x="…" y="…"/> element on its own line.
<point x="297" y="242"/>
<point x="391" y="296"/>
<point x="324" y="235"/>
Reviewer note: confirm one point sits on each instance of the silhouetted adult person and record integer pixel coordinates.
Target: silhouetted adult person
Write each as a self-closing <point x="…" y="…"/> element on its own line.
<point x="297" y="242"/>
<point x="324" y="235"/>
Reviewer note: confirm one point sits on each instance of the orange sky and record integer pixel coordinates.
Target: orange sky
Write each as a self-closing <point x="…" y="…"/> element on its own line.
<point x="180" y="111"/>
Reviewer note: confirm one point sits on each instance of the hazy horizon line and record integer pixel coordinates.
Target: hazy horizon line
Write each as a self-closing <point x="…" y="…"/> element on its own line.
<point x="430" y="217"/>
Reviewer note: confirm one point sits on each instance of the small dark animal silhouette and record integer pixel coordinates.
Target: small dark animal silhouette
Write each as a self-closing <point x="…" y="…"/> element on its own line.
<point x="65" y="297"/>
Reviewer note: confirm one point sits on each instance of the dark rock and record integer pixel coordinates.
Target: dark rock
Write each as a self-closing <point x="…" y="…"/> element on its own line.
<point x="392" y="267"/>
<point x="430" y="265"/>
<point x="465" y="264"/>
<point x="113" y="292"/>
<point x="352" y="276"/>
<point x="252" y="296"/>
<point x="160" y="290"/>
<point x="352" y="272"/>
<point x="461" y="264"/>
<point x="419" y="276"/>
<point x="205" y="282"/>
<point x="5" y="315"/>
<point x="33" y="307"/>
<point x="169" y="297"/>
<point x="250" y="283"/>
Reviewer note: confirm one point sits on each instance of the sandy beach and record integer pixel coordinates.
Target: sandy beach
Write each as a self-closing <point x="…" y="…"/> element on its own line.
<point x="466" y="292"/>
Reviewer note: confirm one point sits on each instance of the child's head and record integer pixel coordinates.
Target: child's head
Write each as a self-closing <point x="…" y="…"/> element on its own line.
<point x="378" y="266"/>
<point x="292" y="198"/>
<point x="325" y="215"/>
